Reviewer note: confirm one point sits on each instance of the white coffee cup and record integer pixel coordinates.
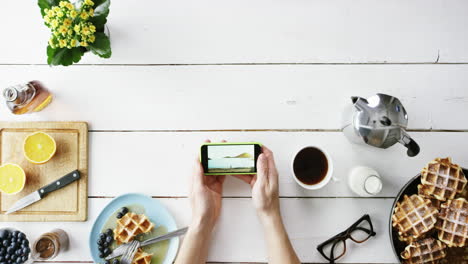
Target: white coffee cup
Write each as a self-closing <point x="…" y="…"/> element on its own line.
<point x="325" y="179"/>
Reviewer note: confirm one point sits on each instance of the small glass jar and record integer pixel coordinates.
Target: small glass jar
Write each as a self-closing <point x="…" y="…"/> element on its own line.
<point x="50" y="244"/>
<point x="27" y="98"/>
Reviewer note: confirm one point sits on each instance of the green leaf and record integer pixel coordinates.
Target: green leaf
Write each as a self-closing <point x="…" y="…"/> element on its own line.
<point x="101" y="45"/>
<point x="43" y="4"/>
<point x="64" y="56"/>
<point x="101" y="11"/>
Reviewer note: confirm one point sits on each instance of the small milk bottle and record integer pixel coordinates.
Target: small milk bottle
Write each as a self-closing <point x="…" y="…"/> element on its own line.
<point x="365" y="181"/>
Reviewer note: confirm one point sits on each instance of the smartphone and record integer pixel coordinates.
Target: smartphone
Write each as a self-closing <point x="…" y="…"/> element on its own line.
<point x="230" y="158"/>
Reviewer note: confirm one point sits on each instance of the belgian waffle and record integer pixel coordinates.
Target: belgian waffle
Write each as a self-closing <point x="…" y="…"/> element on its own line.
<point x="456" y="255"/>
<point x="452" y="225"/>
<point x="426" y="251"/>
<point x="142" y="257"/>
<point x="414" y="217"/>
<point x="131" y="225"/>
<point x="442" y="179"/>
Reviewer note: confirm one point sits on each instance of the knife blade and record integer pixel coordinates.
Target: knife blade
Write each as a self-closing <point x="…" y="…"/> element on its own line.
<point x="121" y="249"/>
<point x="42" y="192"/>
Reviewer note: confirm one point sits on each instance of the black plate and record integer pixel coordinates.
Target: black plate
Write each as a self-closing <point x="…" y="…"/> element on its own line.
<point x="410" y="188"/>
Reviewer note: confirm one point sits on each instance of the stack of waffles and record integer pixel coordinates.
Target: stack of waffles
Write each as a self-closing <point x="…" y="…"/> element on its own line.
<point x="130" y="226"/>
<point x="435" y="220"/>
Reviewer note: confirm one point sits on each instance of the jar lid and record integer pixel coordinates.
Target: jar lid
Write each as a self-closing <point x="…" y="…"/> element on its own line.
<point x="10" y="94"/>
<point x="373" y="184"/>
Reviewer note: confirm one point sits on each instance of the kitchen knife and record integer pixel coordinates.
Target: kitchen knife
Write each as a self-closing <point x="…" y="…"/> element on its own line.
<point x="42" y="192"/>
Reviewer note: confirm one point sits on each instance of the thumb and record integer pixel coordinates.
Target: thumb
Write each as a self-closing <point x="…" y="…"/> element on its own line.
<point x="198" y="176"/>
<point x="262" y="169"/>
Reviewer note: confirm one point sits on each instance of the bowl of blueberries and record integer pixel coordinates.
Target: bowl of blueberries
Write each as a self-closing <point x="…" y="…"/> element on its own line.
<point x="14" y="247"/>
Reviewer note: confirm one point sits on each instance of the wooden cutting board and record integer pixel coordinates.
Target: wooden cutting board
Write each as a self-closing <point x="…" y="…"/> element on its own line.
<point x="67" y="204"/>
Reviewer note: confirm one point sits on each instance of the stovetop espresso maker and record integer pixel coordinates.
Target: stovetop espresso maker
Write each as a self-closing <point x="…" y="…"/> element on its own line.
<point x="379" y="121"/>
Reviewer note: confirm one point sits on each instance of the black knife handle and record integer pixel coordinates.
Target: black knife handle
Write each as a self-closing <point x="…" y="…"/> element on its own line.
<point x="60" y="183"/>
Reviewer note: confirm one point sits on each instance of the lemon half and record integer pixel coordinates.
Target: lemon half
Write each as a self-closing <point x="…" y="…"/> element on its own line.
<point x="39" y="147"/>
<point x="12" y="178"/>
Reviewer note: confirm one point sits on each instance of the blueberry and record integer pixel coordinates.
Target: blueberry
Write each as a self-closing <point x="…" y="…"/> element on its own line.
<point x="13" y="245"/>
<point x="21" y="235"/>
<point x="10" y="250"/>
<point x="15" y="234"/>
<point x="100" y="248"/>
<point x="100" y="242"/>
<point x="2" y="251"/>
<point x="3" y="262"/>
<point x="102" y="235"/>
<point x="101" y="255"/>
<point x="19" y="252"/>
<point x="4" y="234"/>
<point x="24" y="258"/>
<point x="6" y="243"/>
<point x="106" y="262"/>
<point x="119" y="215"/>
<point x="109" y="232"/>
<point x="26" y="250"/>
<point x="109" y="239"/>
<point x="19" y="260"/>
<point x="25" y="243"/>
<point x="115" y="261"/>
<point x="124" y="210"/>
<point x="105" y="244"/>
<point x="7" y="256"/>
<point x="107" y="251"/>
<point x="2" y="258"/>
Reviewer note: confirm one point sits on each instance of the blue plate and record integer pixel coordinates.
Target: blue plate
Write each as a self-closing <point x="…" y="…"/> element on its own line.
<point x="155" y="211"/>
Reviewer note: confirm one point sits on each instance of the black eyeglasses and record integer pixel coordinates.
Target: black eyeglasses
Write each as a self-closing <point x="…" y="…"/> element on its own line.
<point x="335" y="247"/>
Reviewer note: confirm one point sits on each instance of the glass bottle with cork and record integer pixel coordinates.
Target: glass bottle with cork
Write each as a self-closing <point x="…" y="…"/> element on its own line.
<point x="27" y="98"/>
<point x="50" y="244"/>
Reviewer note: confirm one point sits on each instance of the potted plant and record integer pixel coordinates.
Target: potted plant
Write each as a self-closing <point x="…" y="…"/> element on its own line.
<point x="76" y="29"/>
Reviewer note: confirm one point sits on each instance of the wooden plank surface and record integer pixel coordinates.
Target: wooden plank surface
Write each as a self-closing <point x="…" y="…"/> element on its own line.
<point x="239" y="238"/>
<point x="241" y="97"/>
<point x="260" y="31"/>
<point x="165" y="160"/>
<point x="67" y="204"/>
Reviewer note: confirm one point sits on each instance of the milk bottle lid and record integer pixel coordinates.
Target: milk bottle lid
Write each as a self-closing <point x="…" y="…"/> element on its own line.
<point x="373" y="184"/>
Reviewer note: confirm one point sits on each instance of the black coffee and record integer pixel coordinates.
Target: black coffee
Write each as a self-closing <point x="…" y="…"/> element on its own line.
<point x="310" y="166"/>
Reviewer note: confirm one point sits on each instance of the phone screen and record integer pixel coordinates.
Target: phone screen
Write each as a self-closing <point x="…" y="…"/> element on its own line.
<point x="225" y="159"/>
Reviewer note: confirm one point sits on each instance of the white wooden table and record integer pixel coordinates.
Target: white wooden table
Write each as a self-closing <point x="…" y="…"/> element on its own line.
<point x="278" y="72"/>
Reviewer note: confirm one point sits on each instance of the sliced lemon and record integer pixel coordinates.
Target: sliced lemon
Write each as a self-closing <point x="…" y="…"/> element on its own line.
<point x="39" y="147"/>
<point x="12" y="178"/>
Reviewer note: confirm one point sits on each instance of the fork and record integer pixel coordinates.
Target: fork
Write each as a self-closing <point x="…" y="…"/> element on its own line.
<point x="129" y="254"/>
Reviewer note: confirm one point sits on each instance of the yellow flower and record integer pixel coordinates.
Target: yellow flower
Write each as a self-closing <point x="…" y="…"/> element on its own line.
<point x="56" y="33"/>
<point x="51" y="13"/>
<point x="92" y="38"/>
<point x="73" y="42"/>
<point x="73" y="14"/>
<point x="54" y="23"/>
<point x="85" y="31"/>
<point x="60" y="14"/>
<point x="56" y="9"/>
<point x="89" y="2"/>
<point x="70" y="32"/>
<point x="70" y="6"/>
<point x="62" y="3"/>
<point x="84" y="43"/>
<point x="91" y="12"/>
<point x="84" y="15"/>
<point x="47" y="19"/>
<point x="92" y="28"/>
<point x="76" y="28"/>
<point x="51" y="41"/>
<point x="63" y="30"/>
<point x="67" y="22"/>
<point x="62" y="43"/>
